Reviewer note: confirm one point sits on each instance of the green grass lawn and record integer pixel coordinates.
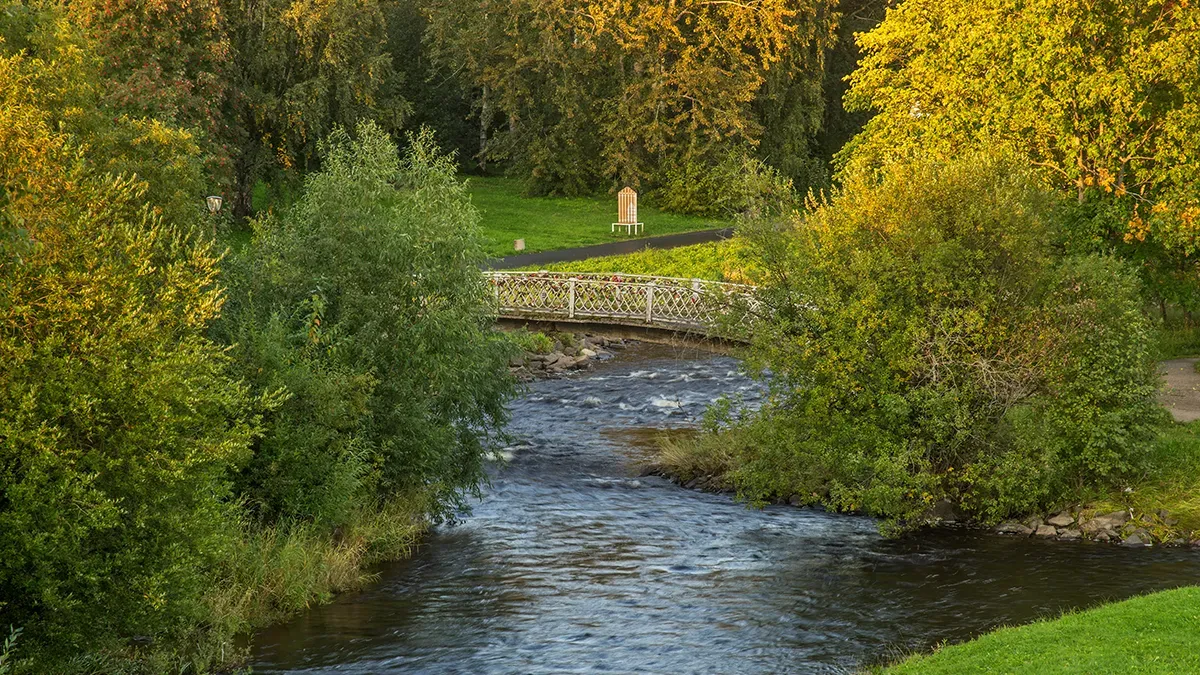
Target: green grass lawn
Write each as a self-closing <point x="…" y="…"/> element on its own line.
<point x="547" y="223"/>
<point x="1158" y="633"/>
<point x="1177" y="341"/>
<point x="715" y="261"/>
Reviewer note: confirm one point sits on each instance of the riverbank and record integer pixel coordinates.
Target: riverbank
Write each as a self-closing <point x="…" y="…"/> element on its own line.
<point x="267" y="576"/>
<point x="1159" y="508"/>
<point x="1157" y="633"/>
<point x="277" y="572"/>
<point x="568" y="548"/>
<point x="556" y="353"/>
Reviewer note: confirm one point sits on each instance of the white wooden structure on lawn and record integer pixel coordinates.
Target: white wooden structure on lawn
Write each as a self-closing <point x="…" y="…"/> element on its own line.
<point x="627" y="217"/>
<point x="690" y="305"/>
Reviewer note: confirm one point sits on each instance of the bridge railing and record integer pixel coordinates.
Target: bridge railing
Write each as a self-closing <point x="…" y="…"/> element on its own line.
<point x="629" y="299"/>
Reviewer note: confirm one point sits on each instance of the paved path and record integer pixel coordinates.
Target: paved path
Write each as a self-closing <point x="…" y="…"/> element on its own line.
<point x="612" y="248"/>
<point x="1182" y="393"/>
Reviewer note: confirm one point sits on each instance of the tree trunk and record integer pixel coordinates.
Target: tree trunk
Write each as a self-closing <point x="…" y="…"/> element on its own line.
<point x="485" y="121"/>
<point x="243" y="191"/>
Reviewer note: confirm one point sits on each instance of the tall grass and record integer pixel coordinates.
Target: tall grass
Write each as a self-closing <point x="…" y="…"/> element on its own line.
<point x="1180" y="341"/>
<point x="686" y="456"/>
<point x="271" y="574"/>
<point x="283" y="569"/>
<point x="1170" y="481"/>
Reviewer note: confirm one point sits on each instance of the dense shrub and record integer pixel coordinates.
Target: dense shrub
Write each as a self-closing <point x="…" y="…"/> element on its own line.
<point x="129" y="443"/>
<point x="361" y="312"/>
<point x="929" y="343"/>
<point x="117" y="423"/>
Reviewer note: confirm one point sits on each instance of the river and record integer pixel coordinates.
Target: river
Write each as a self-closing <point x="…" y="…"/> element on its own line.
<point x="571" y="563"/>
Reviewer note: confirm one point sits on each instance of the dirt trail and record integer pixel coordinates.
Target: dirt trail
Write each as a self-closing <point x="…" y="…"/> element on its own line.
<point x="1182" y="393"/>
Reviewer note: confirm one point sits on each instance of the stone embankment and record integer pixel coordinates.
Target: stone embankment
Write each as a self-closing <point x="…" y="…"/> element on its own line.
<point x="1126" y="527"/>
<point x="570" y="352"/>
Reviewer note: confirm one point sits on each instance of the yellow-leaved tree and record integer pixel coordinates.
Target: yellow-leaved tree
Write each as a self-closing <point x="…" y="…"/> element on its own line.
<point x="1103" y="98"/>
<point x="118" y="423"/>
<point x="581" y="94"/>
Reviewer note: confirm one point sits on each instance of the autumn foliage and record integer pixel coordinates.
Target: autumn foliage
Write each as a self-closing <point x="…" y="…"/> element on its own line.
<point x="1102" y="99"/>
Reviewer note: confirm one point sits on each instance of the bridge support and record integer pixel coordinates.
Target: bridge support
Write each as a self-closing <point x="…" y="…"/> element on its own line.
<point x="650" y="334"/>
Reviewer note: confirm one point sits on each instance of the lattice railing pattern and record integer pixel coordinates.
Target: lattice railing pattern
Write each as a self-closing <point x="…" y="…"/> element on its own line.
<point x="630" y="299"/>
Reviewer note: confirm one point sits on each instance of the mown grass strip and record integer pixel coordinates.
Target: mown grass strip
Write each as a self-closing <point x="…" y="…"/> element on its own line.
<point x="548" y="223"/>
<point x="718" y="261"/>
<point x="1158" y="633"/>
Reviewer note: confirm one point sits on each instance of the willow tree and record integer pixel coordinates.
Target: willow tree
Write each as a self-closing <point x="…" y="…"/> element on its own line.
<point x="1104" y="98"/>
<point x="302" y="68"/>
<point x="596" y="93"/>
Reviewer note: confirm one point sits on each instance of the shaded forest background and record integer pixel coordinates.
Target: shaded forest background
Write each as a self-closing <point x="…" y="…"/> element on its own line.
<point x="571" y="97"/>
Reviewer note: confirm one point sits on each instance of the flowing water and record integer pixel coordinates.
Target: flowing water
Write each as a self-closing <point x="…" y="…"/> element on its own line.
<point x="571" y="563"/>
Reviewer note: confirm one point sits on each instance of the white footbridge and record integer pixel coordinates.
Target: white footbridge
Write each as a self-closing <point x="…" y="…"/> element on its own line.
<point x="710" y="308"/>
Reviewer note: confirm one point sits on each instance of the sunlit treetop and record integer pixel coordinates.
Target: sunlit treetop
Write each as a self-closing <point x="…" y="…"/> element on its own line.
<point x="1103" y="97"/>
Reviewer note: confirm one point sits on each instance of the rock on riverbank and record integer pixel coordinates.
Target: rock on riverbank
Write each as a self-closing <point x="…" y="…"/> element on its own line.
<point x="571" y="351"/>
<point x="1126" y="527"/>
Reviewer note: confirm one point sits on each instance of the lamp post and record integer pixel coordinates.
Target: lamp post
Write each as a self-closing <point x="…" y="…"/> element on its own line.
<point x="214" y="206"/>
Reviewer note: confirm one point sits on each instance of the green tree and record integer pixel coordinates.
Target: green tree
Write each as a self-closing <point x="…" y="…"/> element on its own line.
<point x="1104" y="99"/>
<point x="598" y="94"/>
<point x="118" y="424"/>
<point x="166" y="61"/>
<point x="364" y="301"/>
<point x="839" y="124"/>
<point x="300" y="69"/>
<point x="49" y="62"/>
<point x="928" y="343"/>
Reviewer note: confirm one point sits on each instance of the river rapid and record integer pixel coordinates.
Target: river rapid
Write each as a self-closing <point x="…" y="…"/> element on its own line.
<point x="572" y="563"/>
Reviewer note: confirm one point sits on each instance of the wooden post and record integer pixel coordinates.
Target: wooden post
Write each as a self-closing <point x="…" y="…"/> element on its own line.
<point x="571" y="299"/>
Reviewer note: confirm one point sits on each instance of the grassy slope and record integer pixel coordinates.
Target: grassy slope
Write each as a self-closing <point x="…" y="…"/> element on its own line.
<point x="1172" y="482"/>
<point x="547" y="223"/>
<point x="719" y="261"/>
<point x="1157" y="633"/>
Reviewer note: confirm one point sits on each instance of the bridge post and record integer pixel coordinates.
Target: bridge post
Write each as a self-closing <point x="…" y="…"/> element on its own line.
<point x="571" y="299"/>
<point x="650" y="302"/>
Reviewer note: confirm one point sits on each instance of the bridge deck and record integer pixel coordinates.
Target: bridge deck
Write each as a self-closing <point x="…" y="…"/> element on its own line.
<point x="692" y="305"/>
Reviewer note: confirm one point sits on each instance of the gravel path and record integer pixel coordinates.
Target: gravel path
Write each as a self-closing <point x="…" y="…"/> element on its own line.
<point x="1182" y="393"/>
